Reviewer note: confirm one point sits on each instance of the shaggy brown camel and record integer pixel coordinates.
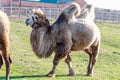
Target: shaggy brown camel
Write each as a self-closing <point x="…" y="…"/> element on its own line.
<point x="68" y="33"/>
<point x="4" y="43"/>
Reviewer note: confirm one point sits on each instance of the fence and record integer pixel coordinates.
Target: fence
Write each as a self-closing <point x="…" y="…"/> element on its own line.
<point x="106" y="15"/>
<point x="23" y="12"/>
<point x="102" y="15"/>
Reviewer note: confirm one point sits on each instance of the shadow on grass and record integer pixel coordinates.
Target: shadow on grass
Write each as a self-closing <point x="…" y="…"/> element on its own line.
<point x="69" y="76"/>
<point x="35" y="76"/>
<point x="20" y="77"/>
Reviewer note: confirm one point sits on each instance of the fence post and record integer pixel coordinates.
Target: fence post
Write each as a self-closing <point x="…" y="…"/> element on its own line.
<point x="50" y="12"/>
<point x="10" y="11"/>
<point x="103" y="15"/>
<point x="19" y="11"/>
<point x="117" y="18"/>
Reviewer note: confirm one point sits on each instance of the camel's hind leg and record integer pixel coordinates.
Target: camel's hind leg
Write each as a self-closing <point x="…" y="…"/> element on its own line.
<point x="1" y="59"/>
<point x="68" y="61"/>
<point x="7" y="58"/>
<point x="8" y="62"/>
<point x="93" y="52"/>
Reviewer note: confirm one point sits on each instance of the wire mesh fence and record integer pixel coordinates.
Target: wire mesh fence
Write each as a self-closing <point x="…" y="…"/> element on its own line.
<point x="101" y="15"/>
<point x="106" y="15"/>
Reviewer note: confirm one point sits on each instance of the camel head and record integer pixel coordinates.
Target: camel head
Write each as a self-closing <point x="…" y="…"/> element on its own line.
<point x="37" y="19"/>
<point x="72" y="9"/>
<point x="87" y="11"/>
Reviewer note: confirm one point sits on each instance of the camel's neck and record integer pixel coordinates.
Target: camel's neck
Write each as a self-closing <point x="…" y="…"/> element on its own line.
<point x="42" y="42"/>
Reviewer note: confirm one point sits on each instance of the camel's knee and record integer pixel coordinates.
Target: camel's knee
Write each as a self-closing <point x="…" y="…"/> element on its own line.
<point x="55" y="62"/>
<point x="68" y="59"/>
<point x="10" y="60"/>
<point x="7" y="59"/>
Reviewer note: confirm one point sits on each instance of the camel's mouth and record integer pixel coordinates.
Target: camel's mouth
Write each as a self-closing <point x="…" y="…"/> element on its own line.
<point x="27" y="22"/>
<point x="31" y="20"/>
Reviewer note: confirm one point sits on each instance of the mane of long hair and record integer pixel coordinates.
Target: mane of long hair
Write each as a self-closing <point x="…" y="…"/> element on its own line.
<point x="42" y="40"/>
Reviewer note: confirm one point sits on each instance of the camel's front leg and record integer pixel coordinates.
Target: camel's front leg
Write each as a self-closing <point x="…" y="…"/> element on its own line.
<point x="68" y="61"/>
<point x="62" y="50"/>
<point x="57" y="58"/>
<point x="55" y="63"/>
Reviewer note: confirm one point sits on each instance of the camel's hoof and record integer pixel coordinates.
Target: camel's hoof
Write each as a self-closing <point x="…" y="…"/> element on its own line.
<point x="0" y="66"/>
<point x="89" y="75"/>
<point x="71" y="74"/>
<point x="50" y="75"/>
<point x="7" y="78"/>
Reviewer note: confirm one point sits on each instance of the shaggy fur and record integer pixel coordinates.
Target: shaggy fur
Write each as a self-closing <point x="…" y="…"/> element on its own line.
<point x="41" y="35"/>
<point x="87" y="12"/>
<point x="4" y="42"/>
<point x="67" y="34"/>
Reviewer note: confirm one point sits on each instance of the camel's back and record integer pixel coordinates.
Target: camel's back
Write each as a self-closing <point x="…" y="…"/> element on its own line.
<point x="4" y="22"/>
<point x="4" y="29"/>
<point x="83" y="34"/>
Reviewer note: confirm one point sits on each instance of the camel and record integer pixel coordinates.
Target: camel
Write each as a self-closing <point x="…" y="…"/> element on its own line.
<point x="70" y="32"/>
<point x="4" y="43"/>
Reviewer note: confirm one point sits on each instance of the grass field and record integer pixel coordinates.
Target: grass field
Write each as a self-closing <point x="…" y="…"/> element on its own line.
<point x="26" y="66"/>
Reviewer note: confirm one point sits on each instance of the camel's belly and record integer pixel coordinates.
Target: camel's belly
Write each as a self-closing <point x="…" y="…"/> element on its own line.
<point x="75" y="48"/>
<point x="83" y="44"/>
<point x="78" y="47"/>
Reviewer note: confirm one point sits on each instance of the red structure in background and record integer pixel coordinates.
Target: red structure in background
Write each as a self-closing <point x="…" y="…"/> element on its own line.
<point x="20" y="3"/>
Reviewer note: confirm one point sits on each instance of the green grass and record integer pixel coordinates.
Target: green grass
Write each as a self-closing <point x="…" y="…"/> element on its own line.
<point x="26" y="66"/>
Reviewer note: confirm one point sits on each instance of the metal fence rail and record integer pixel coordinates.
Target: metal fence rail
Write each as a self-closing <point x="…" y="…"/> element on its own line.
<point x="23" y="12"/>
<point x="105" y="15"/>
<point x="101" y="15"/>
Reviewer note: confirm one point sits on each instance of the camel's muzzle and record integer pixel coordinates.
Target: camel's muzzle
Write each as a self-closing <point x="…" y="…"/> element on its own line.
<point x="27" y="22"/>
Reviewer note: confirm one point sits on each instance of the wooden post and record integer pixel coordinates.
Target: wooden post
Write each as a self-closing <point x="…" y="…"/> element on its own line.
<point x="117" y="17"/>
<point x="10" y="11"/>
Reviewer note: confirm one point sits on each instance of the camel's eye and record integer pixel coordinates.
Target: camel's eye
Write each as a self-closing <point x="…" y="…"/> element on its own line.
<point x="36" y="17"/>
